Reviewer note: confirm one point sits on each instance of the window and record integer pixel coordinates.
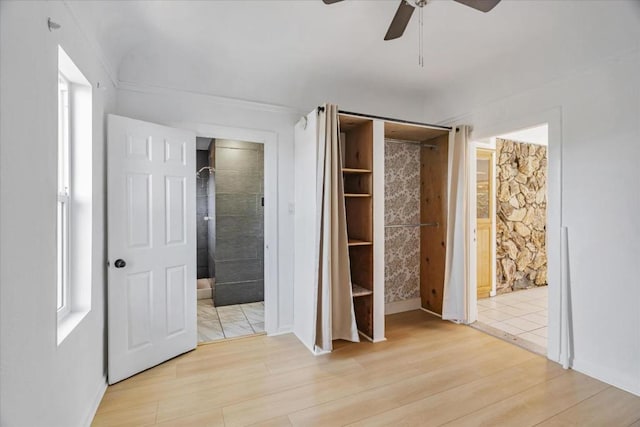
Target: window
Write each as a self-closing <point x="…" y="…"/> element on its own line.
<point x="64" y="162"/>
<point x="74" y="196"/>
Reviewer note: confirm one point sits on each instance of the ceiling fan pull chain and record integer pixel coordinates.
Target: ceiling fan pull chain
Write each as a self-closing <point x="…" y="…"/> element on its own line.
<point x="420" y="38"/>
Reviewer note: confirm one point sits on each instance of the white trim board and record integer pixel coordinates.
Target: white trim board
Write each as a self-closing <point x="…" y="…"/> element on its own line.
<point x="91" y="413"/>
<point x="553" y="118"/>
<point x="402" y="306"/>
<point x="270" y="141"/>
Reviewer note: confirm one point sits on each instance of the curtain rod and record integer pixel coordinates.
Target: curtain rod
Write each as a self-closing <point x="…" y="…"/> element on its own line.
<point x="388" y="119"/>
<point x="403" y="141"/>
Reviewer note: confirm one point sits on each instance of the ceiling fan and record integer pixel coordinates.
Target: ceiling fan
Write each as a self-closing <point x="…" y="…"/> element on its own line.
<point x="405" y="11"/>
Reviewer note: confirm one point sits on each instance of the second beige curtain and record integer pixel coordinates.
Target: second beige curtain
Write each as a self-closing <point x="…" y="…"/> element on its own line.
<point x="335" y="318"/>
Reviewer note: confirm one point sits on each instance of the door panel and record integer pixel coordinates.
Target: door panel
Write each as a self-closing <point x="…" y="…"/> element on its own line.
<point x="484" y="216"/>
<point x="151" y="218"/>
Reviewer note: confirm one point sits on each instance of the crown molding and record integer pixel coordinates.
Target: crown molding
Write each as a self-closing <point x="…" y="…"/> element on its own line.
<point x="216" y="99"/>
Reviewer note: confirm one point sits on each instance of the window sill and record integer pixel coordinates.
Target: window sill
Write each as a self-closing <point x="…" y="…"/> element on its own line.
<point x="68" y="323"/>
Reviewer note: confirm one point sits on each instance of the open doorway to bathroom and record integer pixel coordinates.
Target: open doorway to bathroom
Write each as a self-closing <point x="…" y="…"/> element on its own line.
<point x="230" y="238"/>
<point x="511" y="211"/>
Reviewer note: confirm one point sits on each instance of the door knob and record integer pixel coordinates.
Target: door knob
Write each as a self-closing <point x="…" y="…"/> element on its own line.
<point x="120" y="263"/>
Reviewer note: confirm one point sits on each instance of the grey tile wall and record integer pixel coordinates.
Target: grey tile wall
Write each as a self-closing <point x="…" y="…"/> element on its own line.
<point x="202" y="237"/>
<point x="239" y="253"/>
<point x="212" y="221"/>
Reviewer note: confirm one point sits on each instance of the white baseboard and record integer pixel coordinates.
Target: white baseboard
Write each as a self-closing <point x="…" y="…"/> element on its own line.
<point x="281" y="331"/>
<point x="402" y="306"/>
<point x="606" y="375"/>
<point x="431" y="312"/>
<point x="96" y="402"/>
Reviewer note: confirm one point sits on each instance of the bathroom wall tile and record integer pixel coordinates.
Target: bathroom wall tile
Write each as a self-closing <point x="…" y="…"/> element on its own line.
<point x="235" y="159"/>
<point x="229" y="143"/>
<point x="236" y="204"/>
<point x="201" y="187"/>
<point x="202" y="258"/>
<point x="212" y="266"/>
<point x="239" y="293"/>
<point x="233" y="181"/>
<point x="230" y="226"/>
<point x="202" y="272"/>
<point x="239" y="247"/>
<point x="202" y="158"/>
<point x="202" y="231"/>
<point x="201" y="207"/>
<point x="238" y="270"/>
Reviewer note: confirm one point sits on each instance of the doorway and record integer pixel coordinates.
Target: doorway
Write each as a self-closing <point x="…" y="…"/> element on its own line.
<point x="230" y="238"/>
<point x="511" y="204"/>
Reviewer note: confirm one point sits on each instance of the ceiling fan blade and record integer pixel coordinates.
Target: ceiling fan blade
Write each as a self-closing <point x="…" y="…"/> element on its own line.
<point x="400" y="20"/>
<point x="330" y="1"/>
<point x="481" y="5"/>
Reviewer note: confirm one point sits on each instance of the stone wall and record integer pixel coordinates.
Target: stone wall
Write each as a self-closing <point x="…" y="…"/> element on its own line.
<point x="521" y="217"/>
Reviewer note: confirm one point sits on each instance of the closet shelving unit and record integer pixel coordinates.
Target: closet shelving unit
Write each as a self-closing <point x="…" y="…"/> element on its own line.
<point x="357" y="154"/>
<point x="362" y="144"/>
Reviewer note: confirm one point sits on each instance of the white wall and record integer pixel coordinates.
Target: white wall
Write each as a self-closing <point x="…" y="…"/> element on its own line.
<point x="177" y="108"/>
<point x="600" y="148"/>
<point x="42" y="384"/>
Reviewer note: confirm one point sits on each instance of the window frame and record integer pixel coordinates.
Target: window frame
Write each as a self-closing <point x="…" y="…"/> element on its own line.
<point x="75" y="249"/>
<point x="63" y="282"/>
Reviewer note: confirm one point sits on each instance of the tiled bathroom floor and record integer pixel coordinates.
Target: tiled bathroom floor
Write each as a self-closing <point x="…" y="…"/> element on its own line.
<point x="216" y="323"/>
<point x="520" y="316"/>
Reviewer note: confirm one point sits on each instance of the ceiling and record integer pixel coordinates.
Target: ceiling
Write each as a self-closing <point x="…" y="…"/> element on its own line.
<point x="302" y="52"/>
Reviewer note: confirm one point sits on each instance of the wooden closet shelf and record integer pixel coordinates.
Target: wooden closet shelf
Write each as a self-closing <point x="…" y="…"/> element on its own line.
<point x="354" y="170"/>
<point x="357" y="195"/>
<point x="359" y="291"/>
<point x="355" y="242"/>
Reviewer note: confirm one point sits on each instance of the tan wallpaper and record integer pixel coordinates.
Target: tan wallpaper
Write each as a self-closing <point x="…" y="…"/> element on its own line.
<point x="402" y="206"/>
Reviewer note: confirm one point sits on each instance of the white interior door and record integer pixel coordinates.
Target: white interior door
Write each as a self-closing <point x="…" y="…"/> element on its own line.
<point x="152" y="247"/>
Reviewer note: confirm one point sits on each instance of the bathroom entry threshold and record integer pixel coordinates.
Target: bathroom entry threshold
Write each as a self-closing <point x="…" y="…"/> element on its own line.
<point x="229" y="322"/>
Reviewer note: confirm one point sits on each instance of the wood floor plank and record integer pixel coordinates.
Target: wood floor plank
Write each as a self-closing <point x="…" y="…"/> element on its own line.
<point x="285" y="402"/>
<point x="137" y="415"/>
<point x="468" y="397"/>
<point x="535" y="404"/>
<point x="243" y="390"/>
<point x="428" y="372"/>
<point x="211" y="418"/>
<point x="622" y="409"/>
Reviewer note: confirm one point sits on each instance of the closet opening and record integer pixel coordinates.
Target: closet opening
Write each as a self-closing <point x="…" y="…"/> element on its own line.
<point x="415" y="216"/>
<point x="230" y="238"/>
<point x="511" y="194"/>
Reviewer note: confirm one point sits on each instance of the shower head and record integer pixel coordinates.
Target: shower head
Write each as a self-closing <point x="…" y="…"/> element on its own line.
<point x="209" y="168"/>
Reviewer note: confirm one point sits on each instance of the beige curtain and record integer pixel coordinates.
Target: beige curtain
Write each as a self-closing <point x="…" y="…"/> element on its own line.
<point x="454" y="305"/>
<point x="335" y="318"/>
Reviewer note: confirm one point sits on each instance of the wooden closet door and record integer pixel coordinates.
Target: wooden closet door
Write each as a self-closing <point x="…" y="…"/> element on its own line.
<point x="484" y="216"/>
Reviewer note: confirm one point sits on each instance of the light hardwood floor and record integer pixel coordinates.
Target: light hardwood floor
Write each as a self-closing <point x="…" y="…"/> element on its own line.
<point x="428" y="372"/>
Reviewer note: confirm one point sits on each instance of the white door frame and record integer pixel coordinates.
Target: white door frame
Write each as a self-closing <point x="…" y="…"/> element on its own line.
<point x="553" y="118"/>
<point x="272" y="324"/>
